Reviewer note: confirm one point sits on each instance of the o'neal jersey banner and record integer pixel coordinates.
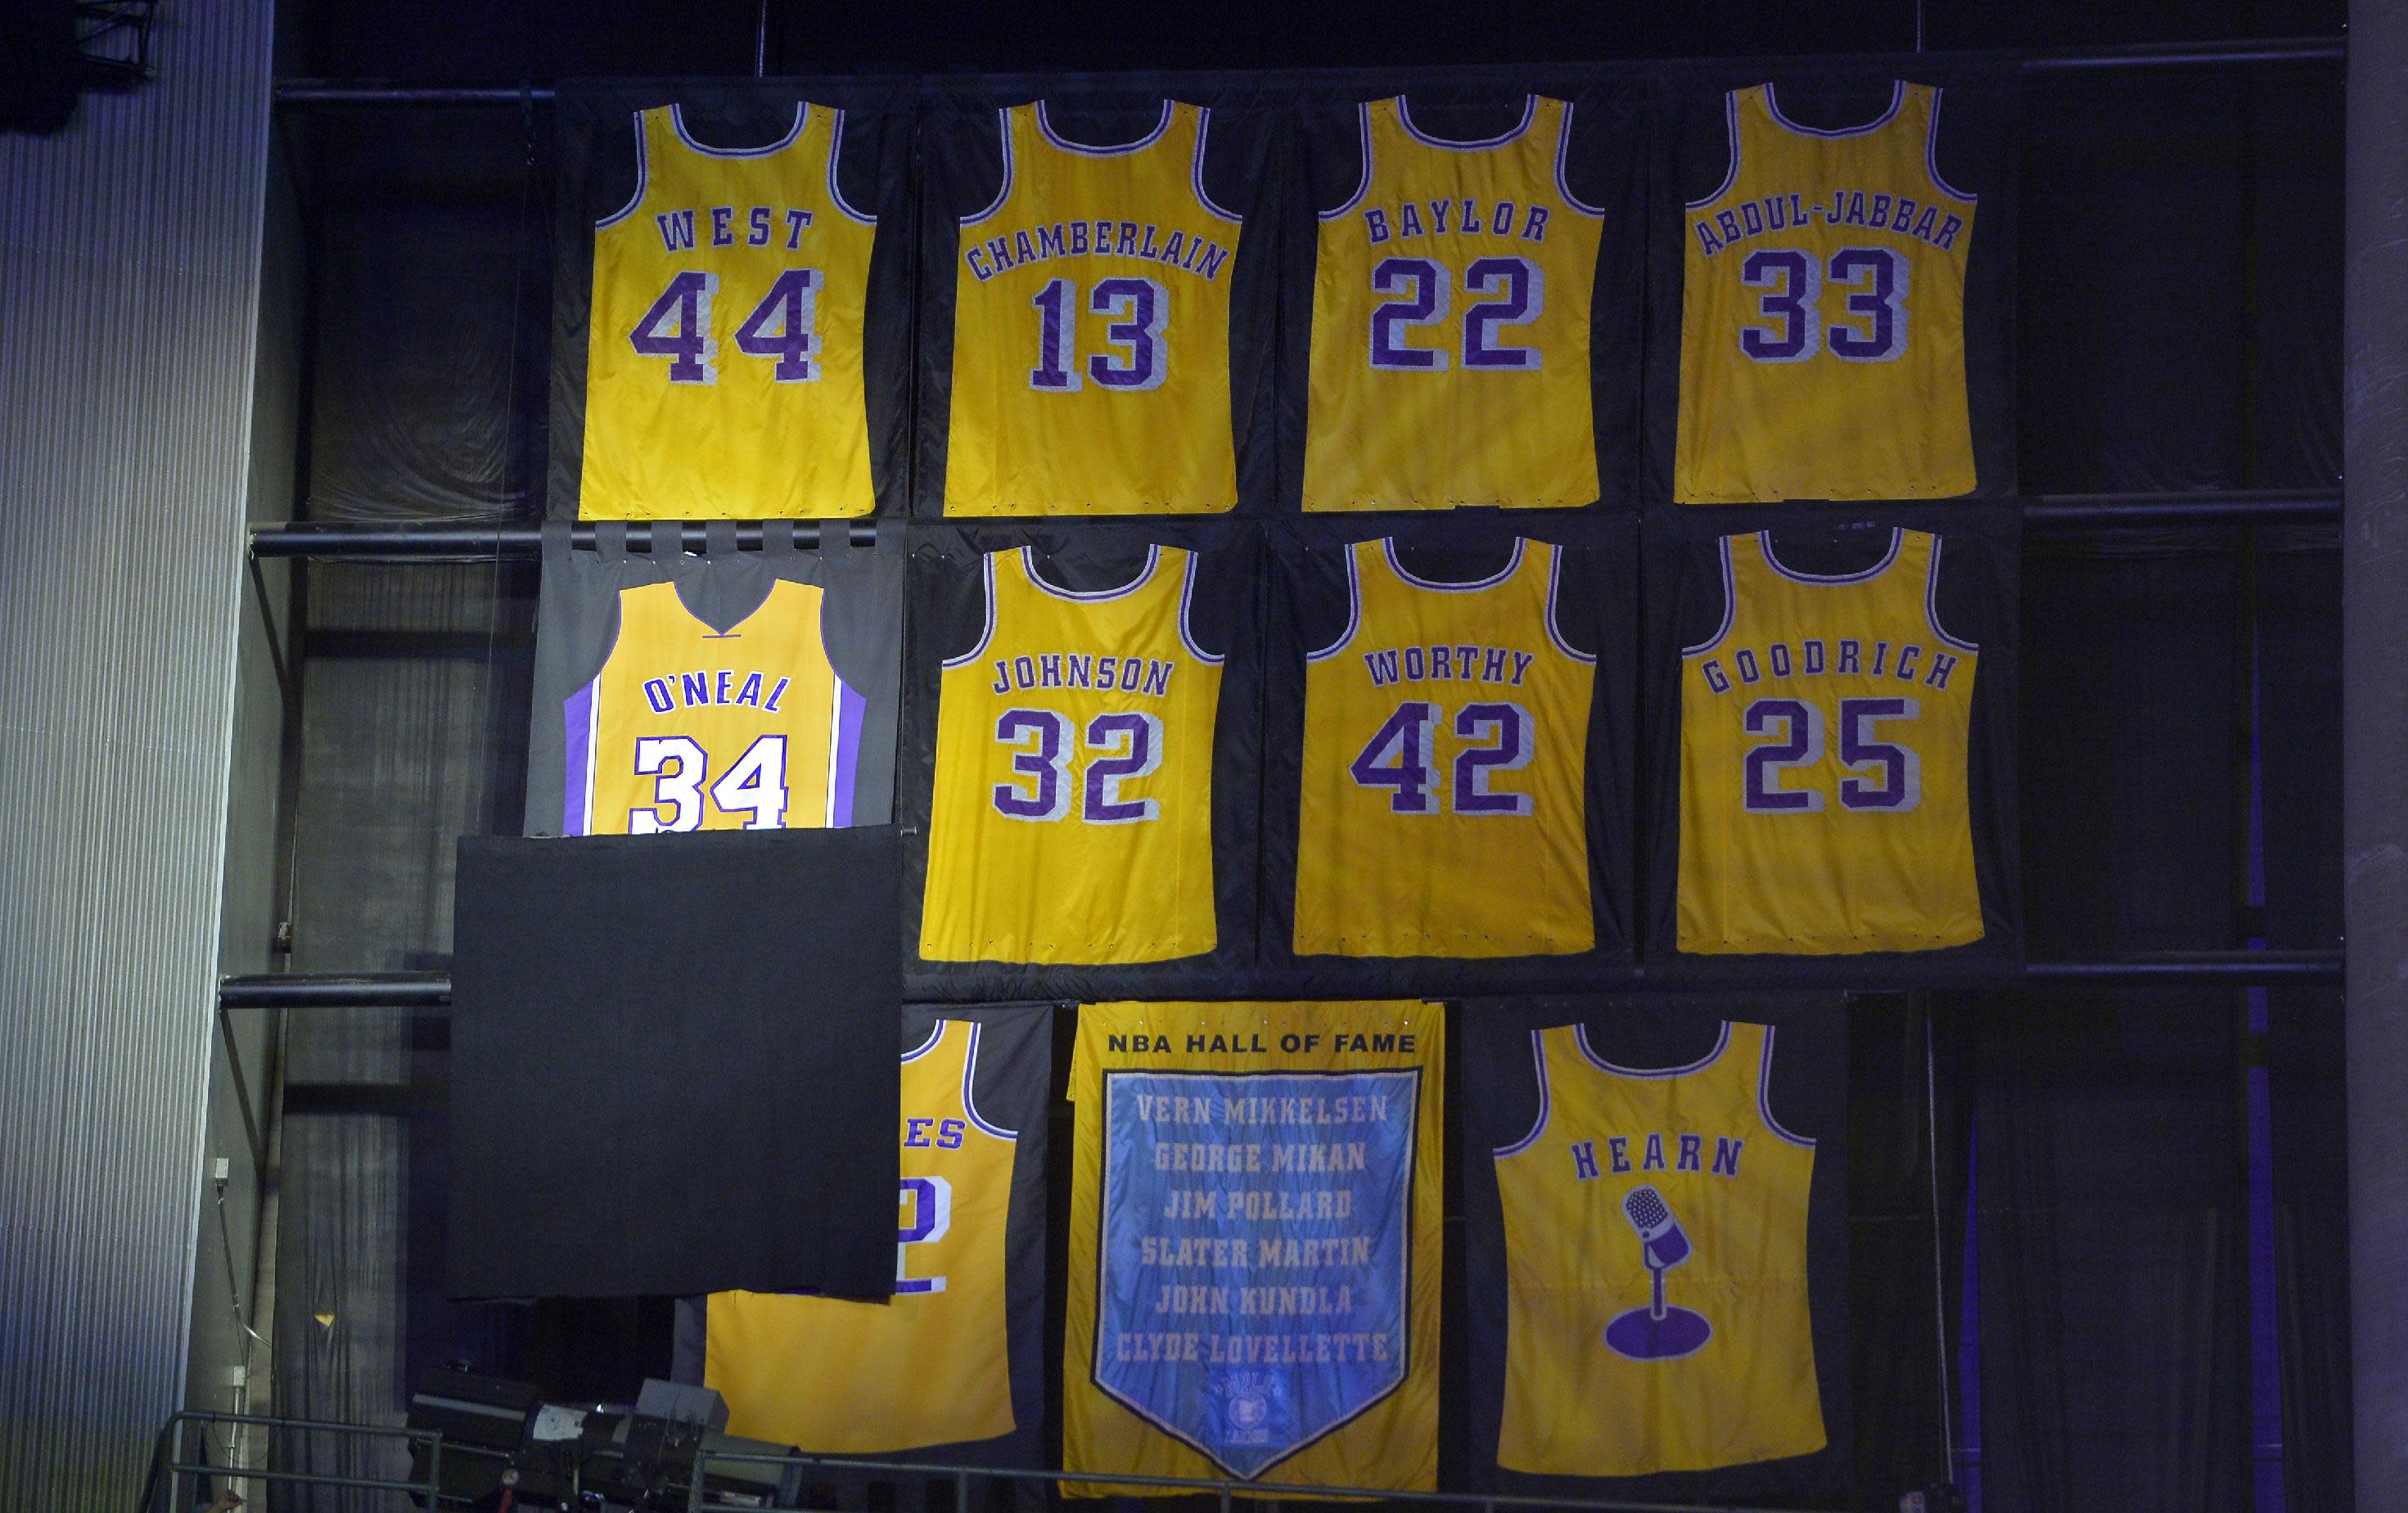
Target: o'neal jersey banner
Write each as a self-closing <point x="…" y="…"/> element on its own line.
<point x="731" y="310"/>
<point x="735" y="691"/>
<point x="1254" y="1238"/>
<point x="1656" y="1210"/>
<point x="1832" y="711"/>
<point x="949" y="1368"/>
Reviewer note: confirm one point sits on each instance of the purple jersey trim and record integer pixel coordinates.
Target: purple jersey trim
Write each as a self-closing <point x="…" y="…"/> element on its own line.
<point x="1555" y="581"/>
<point x="1931" y="599"/>
<point x="1539" y="1054"/>
<point x="1028" y="567"/>
<point x="969" y="1102"/>
<point x="1363" y="185"/>
<point x="844" y="752"/>
<point x="1045" y="129"/>
<point x="1730" y="175"/>
<point x="1896" y="99"/>
<point x="1405" y="118"/>
<point x="1764" y="548"/>
<point x="986" y="570"/>
<point x="1931" y="155"/>
<point x="1764" y="1095"/>
<point x="643" y="176"/>
<point x="1353" y="610"/>
<point x="1731" y="603"/>
<point x="1513" y="564"/>
<point x="1563" y="154"/>
<point x="577" y="792"/>
<point x="1653" y="1074"/>
<point x="1186" y="610"/>
<point x="835" y="195"/>
<point x="935" y="1035"/>
<point x="1203" y="129"/>
<point x="677" y="123"/>
<point x="1003" y="128"/>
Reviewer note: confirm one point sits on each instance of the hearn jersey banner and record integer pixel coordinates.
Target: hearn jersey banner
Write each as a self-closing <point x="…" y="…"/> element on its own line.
<point x="1254" y="1230"/>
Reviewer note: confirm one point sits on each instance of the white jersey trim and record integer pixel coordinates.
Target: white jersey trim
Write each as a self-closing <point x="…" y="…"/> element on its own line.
<point x="835" y="195"/>
<point x="1186" y="610"/>
<point x="969" y="1098"/>
<point x="1731" y="175"/>
<point x="986" y="634"/>
<point x="1563" y="156"/>
<point x="1889" y="558"/>
<point x="677" y="125"/>
<point x="1003" y="129"/>
<point x="1897" y="101"/>
<point x="1931" y="601"/>
<point x="1539" y="1054"/>
<point x="1045" y="129"/>
<point x="1363" y="185"/>
<point x="1353" y="611"/>
<point x="1513" y="564"/>
<point x="1653" y="1074"/>
<point x="1731" y="603"/>
<point x="1764" y="1096"/>
<point x="1144" y="575"/>
<point x="1405" y="118"/>
<point x="643" y="178"/>
<point x="1931" y="155"/>
<point x="1203" y="130"/>
<point x="1555" y="582"/>
<point x="935" y="1033"/>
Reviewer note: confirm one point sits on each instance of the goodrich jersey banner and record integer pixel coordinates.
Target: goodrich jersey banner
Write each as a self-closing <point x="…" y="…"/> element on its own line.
<point x="1254" y="1230"/>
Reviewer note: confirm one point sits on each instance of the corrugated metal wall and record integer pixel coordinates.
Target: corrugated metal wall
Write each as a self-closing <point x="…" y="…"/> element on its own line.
<point x="129" y="272"/>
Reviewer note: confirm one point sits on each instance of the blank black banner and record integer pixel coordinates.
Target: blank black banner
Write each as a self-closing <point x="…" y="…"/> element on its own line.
<point x="669" y="1055"/>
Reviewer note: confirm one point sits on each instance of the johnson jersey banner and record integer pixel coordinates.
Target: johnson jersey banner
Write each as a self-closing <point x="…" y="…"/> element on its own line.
<point x="1254" y="1237"/>
<point x="1656" y="1210"/>
<point x="733" y="691"/>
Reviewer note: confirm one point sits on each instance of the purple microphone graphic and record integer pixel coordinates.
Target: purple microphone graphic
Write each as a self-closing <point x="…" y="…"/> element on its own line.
<point x="1658" y="1332"/>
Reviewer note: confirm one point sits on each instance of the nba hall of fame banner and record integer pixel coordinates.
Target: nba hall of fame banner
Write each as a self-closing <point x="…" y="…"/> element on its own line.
<point x="1655" y="1210"/>
<point x="1255" y="1233"/>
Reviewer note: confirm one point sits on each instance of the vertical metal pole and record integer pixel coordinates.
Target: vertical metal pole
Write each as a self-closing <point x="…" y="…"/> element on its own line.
<point x="2374" y="737"/>
<point x="961" y="1492"/>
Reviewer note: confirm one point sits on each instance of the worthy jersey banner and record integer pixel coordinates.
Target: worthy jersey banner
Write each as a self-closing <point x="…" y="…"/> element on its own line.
<point x="1255" y="1233"/>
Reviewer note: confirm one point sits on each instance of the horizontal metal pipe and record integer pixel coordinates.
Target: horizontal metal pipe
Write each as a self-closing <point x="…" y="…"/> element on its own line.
<point x="447" y="541"/>
<point x="433" y="990"/>
<point x="2293" y="49"/>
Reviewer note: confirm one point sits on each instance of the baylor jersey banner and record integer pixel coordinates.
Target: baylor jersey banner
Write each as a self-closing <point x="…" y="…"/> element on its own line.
<point x="1254" y="1230"/>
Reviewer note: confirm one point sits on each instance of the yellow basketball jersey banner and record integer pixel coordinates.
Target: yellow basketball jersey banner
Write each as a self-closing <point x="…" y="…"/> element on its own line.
<point x="1654" y="1227"/>
<point x="1445" y="736"/>
<point x="1254" y="1222"/>
<point x="932" y="1365"/>
<point x="1450" y="322"/>
<point x="690" y="727"/>
<point x="1071" y="819"/>
<point x="1825" y="760"/>
<point x="724" y="345"/>
<point x="1823" y="312"/>
<point x="1091" y="328"/>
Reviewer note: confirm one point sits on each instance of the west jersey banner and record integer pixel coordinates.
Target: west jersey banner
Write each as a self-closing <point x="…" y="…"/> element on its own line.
<point x="1255" y="1232"/>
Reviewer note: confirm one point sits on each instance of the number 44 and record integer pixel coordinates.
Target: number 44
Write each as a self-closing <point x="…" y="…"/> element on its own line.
<point x="779" y="329"/>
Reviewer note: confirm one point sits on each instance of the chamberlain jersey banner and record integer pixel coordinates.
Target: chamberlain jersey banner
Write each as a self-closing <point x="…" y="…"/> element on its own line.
<point x="1656" y="1213"/>
<point x="1097" y="313"/>
<point x="948" y="1368"/>
<point x="730" y="322"/>
<point x="735" y="691"/>
<point x="1838" y="322"/>
<point x="1833" y="715"/>
<point x="1255" y="1233"/>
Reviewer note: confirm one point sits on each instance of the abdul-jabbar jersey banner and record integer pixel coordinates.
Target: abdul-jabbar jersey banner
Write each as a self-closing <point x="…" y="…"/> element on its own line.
<point x="1255" y="1235"/>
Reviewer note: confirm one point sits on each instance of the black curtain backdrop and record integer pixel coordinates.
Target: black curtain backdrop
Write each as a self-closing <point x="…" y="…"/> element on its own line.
<point x="2177" y="326"/>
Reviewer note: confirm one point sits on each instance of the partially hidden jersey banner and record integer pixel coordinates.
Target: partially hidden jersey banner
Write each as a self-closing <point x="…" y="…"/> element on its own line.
<point x="949" y="1368"/>
<point x="1255" y="1233"/>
